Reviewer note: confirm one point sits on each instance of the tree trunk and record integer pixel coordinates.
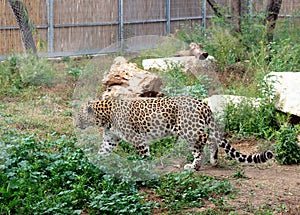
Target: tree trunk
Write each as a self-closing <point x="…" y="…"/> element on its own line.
<point x="272" y="12"/>
<point x="216" y="8"/>
<point x="21" y="15"/>
<point x="237" y="9"/>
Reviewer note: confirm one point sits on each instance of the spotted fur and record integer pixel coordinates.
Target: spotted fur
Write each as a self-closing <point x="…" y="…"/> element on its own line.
<point x="140" y="121"/>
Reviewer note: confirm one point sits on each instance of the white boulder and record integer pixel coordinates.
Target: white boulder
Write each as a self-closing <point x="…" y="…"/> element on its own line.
<point x="287" y="86"/>
<point x="164" y="64"/>
<point x="219" y="103"/>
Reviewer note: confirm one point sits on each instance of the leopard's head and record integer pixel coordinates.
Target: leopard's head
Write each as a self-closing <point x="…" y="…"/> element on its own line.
<point x="86" y="116"/>
<point x="94" y="113"/>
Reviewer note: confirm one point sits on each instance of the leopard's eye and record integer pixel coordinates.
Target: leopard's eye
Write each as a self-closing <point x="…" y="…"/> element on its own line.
<point x="90" y="109"/>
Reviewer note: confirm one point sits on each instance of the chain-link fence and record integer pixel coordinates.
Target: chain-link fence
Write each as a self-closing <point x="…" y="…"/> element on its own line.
<point x="62" y="28"/>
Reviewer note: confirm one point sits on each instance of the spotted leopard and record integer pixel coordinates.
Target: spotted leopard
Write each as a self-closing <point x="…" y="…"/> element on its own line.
<point x="142" y="120"/>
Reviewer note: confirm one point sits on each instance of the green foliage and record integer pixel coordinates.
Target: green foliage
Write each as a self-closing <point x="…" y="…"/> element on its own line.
<point x="157" y="148"/>
<point x="36" y="71"/>
<point x="229" y="47"/>
<point x="17" y="72"/>
<point x="239" y="174"/>
<point x="287" y="151"/>
<point x="186" y="189"/>
<point x="75" y="72"/>
<point x="248" y="118"/>
<point x="225" y="47"/>
<point x="161" y="147"/>
<point x="190" y="34"/>
<point x="10" y="79"/>
<point x="53" y="177"/>
<point x="181" y="83"/>
<point x="284" y="55"/>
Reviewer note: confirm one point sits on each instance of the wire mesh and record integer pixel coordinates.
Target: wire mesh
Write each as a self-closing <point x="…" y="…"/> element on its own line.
<point x="89" y="26"/>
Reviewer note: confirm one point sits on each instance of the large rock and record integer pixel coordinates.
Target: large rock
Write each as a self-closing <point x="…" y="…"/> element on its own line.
<point x="164" y="64"/>
<point x="219" y="103"/>
<point x="287" y="86"/>
<point x="201" y="69"/>
<point x="126" y="80"/>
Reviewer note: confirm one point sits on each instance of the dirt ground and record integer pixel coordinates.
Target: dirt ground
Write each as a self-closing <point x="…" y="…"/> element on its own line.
<point x="272" y="186"/>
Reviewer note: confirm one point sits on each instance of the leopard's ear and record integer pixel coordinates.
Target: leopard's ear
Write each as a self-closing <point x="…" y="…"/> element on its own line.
<point x="91" y="102"/>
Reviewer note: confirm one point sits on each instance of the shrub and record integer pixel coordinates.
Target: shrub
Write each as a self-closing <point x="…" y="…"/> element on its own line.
<point x="17" y="72"/>
<point x="287" y="151"/>
<point x="53" y="177"/>
<point x="179" y="83"/>
<point x="186" y="189"/>
<point x="36" y="71"/>
<point x="10" y="79"/>
<point x="254" y="118"/>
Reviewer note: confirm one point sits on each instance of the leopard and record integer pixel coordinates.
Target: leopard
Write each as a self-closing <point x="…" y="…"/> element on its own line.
<point x="140" y="121"/>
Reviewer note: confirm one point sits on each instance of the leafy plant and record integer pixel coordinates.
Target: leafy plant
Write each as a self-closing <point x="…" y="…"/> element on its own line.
<point x="54" y="177"/>
<point x="246" y="118"/>
<point x="10" y="79"/>
<point x="36" y="71"/>
<point x="75" y="72"/>
<point x="186" y="189"/>
<point x="181" y="83"/>
<point x="283" y="55"/>
<point x="239" y="174"/>
<point x="287" y="151"/>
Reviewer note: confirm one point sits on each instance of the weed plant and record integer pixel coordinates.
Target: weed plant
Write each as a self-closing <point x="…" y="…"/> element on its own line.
<point x="36" y="71"/>
<point x="18" y="72"/>
<point x="53" y="177"/>
<point x="179" y="83"/>
<point x="188" y="190"/>
<point x="287" y="151"/>
<point x="10" y="79"/>
<point x="253" y="118"/>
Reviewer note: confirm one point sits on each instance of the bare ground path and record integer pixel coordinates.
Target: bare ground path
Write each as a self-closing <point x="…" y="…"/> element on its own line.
<point x="268" y="185"/>
<point x="271" y="187"/>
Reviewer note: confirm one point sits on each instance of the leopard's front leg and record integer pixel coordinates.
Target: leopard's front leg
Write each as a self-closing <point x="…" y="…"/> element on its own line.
<point x="110" y="142"/>
<point x="140" y="145"/>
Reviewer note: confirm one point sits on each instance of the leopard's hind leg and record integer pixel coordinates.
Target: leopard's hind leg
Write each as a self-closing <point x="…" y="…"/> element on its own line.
<point x="197" y="147"/>
<point x="213" y="150"/>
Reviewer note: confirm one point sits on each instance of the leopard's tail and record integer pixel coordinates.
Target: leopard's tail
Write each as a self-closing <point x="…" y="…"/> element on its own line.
<point x="215" y="136"/>
<point x="255" y="158"/>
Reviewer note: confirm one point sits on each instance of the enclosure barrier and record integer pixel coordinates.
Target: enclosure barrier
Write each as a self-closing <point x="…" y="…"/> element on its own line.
<point x="65" y="28"/>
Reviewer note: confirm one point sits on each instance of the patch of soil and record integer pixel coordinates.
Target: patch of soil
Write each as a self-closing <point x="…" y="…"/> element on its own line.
<point x="266" y="186"/>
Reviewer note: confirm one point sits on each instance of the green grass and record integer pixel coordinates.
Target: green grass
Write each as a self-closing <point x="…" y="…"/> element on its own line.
<point x="42" y="171"/>
<point x="248" y="50"/>
<point x="180" y="83"/>
<point x="287" y="151"/>
<point x="52" y="176"/>
<point x="188" y="190"/>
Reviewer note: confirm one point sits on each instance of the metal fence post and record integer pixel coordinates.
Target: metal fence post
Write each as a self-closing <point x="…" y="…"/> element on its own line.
<point x="168" y="16"/>
<point x="121" y="24"/>
<point x="204" y="14"/>
<point x="50" y="26"/>
<point x="250" y="7"/>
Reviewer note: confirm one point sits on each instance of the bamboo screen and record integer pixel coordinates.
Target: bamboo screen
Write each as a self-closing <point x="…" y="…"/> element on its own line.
<point x="81" y="25"/>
